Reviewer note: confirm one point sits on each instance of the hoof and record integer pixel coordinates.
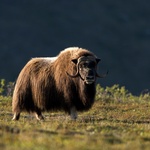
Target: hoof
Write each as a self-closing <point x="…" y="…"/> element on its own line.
<point x="16" y="116"/>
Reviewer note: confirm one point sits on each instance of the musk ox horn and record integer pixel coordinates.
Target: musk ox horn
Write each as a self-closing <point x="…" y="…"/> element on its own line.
<point x="77" y="73"/>
<point x="73" y="76"/>
<point x="75" y="61"/>
<point x="103" y="75"/>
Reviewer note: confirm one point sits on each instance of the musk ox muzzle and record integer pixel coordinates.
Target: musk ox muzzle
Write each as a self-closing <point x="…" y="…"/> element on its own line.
<point x="90" y="76"/>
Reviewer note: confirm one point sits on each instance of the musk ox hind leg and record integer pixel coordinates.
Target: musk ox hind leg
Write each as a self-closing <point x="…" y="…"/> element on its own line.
<point x="73" y="113"/>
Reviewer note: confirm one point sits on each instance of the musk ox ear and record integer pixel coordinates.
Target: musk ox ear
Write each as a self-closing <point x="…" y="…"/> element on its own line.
<point x="74" y="61"/>
<point x="98" y="60"/>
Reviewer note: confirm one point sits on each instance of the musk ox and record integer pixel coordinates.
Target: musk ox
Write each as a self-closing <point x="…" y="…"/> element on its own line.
<point x="66" y="82"/>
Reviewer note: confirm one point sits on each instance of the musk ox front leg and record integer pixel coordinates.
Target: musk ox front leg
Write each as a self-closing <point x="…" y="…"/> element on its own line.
<point x="73" y="113"/>
<point x="16" y="116"/>
<point x="39" y="115"/>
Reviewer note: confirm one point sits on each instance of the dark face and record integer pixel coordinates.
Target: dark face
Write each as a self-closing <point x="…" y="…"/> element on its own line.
<point x="87" y="71"/>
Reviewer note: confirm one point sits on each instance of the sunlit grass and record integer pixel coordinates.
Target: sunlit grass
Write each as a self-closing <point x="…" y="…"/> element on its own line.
<point x="116" y="121"/>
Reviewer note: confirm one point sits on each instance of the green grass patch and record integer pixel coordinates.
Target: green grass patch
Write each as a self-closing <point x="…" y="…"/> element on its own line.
<point x="117" y="121"/>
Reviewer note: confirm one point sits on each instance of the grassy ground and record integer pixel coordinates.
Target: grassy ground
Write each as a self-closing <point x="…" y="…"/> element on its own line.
<point x="117" y="122"/>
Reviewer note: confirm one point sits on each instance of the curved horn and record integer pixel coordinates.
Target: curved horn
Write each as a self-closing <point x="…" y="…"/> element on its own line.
<point x="102" y="76"/>
<point x="76" y="75"/>
<point x="73" y="76"/>
<point x="75" y="61"/>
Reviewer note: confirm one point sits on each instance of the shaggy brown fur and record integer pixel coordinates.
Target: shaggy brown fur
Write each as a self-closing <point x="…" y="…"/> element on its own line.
<point x="44" y="85"/>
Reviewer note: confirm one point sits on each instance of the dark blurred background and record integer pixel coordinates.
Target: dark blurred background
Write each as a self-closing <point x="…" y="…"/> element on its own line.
<point x="116" y="31"/>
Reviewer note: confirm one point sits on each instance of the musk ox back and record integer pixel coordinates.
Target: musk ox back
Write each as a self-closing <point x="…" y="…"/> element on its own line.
<point x="65" y="82"/>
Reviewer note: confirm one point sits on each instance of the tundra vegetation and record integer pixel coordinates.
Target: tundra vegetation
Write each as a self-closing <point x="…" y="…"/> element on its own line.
<point x="117" y="120"/>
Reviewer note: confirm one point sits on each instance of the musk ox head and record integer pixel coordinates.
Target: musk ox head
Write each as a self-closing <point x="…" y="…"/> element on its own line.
<point x="86" y="67"/>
